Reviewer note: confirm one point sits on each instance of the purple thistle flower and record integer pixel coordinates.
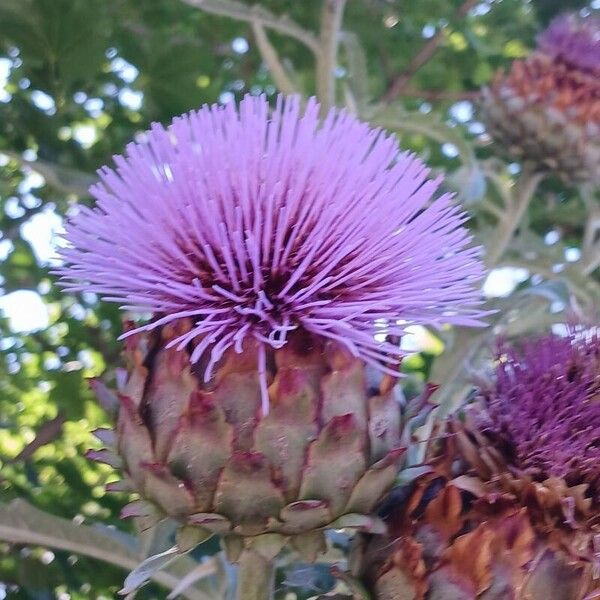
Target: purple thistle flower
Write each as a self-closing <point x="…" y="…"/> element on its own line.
<point x="253" y="224"/>
<point x="545" y="407"/>
<point x="573" y="40"/>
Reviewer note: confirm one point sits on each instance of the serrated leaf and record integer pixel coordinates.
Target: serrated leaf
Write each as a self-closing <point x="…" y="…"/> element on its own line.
<point x="21" y="523"/>
<point x="398" y="119"/>
<point x="553" y="291"/>
<point x="201" y="571"/>
<point x="144" y="571"/>
<point x="188" y="538"/>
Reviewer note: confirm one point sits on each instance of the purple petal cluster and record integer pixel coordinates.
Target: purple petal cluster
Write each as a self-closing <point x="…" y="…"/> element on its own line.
<point x="545" y="407"/>
<point x="573" y="40"/>
<point x="253" y="222"/>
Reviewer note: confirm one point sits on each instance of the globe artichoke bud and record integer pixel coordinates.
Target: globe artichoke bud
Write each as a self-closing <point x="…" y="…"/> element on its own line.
<point x="203" y="453"/>
<point x="274" y="252"/>
<point x="546" y="109"/>
<point x="510" y="508"/>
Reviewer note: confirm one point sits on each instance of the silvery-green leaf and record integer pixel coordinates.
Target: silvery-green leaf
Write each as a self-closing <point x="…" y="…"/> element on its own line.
<point x="144" y="571"/>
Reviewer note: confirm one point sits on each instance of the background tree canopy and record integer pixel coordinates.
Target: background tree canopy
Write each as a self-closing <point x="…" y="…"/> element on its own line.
<point x="81" y="78"/>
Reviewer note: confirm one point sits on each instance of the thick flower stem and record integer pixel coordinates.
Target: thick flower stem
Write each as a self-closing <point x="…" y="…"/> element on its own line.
<point x="255" y="578"/>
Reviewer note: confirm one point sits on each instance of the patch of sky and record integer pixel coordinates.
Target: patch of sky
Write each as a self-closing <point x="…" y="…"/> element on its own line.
<point x="572" y="254"/>
<point x="42" y="231"/>
<point x="417" y="339"/>
<point x="449" y="150"/>
<point x="6" y="247"/>
<point x="31" y="181"/>
<point x="43" y="287"/>
<point x="30" y="201"/>
<point x="131" y="99"/>
<point x="126" y="71"/>
<point x="428" y="31"/>
<point x="482" y="8"/>
<point x="85" y="134"/>
<point x="44" y="102"/>
<point x="90" y="297"/>
<point x="5" y="66"/>
<point x="462" y="111"/>
<point x="503" y="281"/>
<point x="13" y="208"/>
<point x="110" y="89"/>
<point x="476" y="128"/>
<point x="240" y="45"/>
<point x="25" y="311"/>
<point x="94" y="106"/>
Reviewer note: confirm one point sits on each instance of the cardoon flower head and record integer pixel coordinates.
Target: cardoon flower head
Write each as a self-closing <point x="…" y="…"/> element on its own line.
<point x="574" y="41"/>
<point x="509" y="508"/>
<point x="271" y="249"/>
<point x="546" y="109"/>
<point x="253" y="224"/>
<point x="545" y="408"/>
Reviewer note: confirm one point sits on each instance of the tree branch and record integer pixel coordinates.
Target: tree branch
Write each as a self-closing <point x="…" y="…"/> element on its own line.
<point x="11" y="231"/>
<point x="331" y="22"/>
<point x="489" y="206"/>
<point x="63" y="179"/>
<point x="435" y="95"/>
<point x="48" y="432"/>
<point x="271" y="59"/>
<point x="593" y="262"/>
<point x="398" y="85"/>
<point x="21" y="523"/>
<point x="251" y="14"/>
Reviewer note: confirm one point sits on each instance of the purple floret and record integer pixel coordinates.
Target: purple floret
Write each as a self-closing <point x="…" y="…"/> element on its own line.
<point x="252" y="223"/>
<point x="573" y="40"/>
<point x="545" y="407"/>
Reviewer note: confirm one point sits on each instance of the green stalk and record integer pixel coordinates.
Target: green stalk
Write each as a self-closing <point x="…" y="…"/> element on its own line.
<point x="255" y="577"/>
<point x="525" y="189"/>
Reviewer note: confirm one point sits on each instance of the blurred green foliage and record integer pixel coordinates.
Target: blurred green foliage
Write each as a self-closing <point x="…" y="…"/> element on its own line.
<point x="84" y="77"/>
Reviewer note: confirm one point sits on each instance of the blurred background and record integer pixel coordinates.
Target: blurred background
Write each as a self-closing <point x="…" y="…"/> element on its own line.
<point x="81" y="78"/>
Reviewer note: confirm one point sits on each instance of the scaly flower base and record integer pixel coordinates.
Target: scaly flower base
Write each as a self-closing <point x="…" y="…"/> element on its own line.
<point x="203" y="454"/>
<point x="510" y="508"/>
